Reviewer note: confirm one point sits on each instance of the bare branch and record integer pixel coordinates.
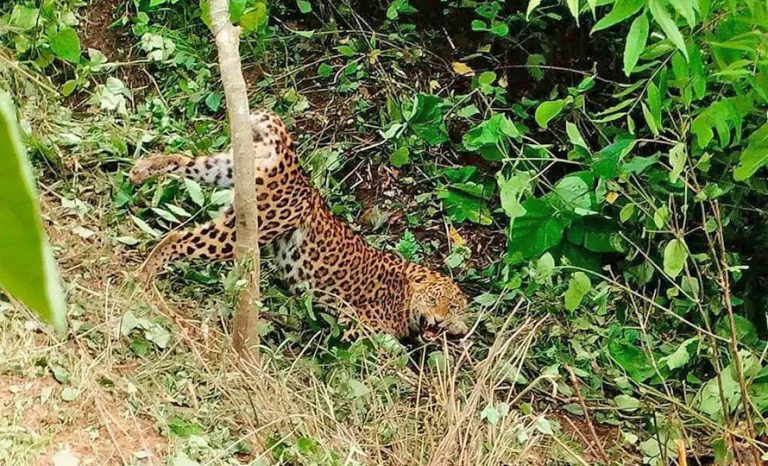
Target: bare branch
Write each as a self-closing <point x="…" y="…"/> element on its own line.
<point x="227" y="36"/>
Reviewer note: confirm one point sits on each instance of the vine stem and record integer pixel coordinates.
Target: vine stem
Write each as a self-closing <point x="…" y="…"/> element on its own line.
<point x="577" y="389"/>
<point x="726" y="288"/>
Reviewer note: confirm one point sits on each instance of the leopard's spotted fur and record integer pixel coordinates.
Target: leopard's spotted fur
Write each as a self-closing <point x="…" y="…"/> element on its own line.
<point x="380" y="290"/>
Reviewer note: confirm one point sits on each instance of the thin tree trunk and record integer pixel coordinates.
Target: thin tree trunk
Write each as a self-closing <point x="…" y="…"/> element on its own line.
<point x="246" y="338"/>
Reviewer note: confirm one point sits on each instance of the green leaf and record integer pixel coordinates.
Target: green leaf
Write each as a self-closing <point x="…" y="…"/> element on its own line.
<point x="399" y="157"/>
<point x="426" y="119"/>
<point x="578" y="287"/>
<point x="195" y="191"/>
<point x="675" y="256"/>
<point x="500" y="29"/>
<point x="622" y="10"/>
<point x="654" y="104"/>
<point x="510" y="192"/>
<point x="637" y="37"/>
<point x="324" y="70"/>
<point x="236" y="9"/>
<point x="466" y="197"/>
<point x="606" y="162"/>
<point x="548" y="110"/>
<point x="23" y="17"/>
<point x="304" y="6"/>
<point x="650" y="120"/>
<point x="677" y="159"/>
<point x="532" y="5"/>
<point x="574" y="135"/>
<point x="255" y="19"/>
<point x="665" y="22"/>
<point x="545" y="266"/>
<point x="746" y="332"/>
<point x="686" y="10"/>
<point x="27" y="267"/>
<point x="540" y="229"/>
<point x="632" y="359"/>
<point x="573" y="193"/>
<point x="66" y="45"/>
<point x="573" y="7"/>
<point x="710" y="397"/>
<point x="754" y="156"/>
<point x="143" y="226"/>
<point x="491" y="137"/>
<point x="680" y="356"/>
<point x="626" y="403"/>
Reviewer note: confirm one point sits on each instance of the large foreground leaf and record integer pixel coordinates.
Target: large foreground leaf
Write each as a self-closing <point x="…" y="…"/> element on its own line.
<point x="540" y="229"/>
<point x="27" y="268"/>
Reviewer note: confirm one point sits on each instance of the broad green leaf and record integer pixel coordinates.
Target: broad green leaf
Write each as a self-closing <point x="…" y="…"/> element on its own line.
<point x="710" y="397"/>
<point x="632" y="359"/>
<point x="399" y="157"/>
<point x="686" y="10"/>
<point x="304" y="6"/>
<point x="574" y="135"/>
<point x="236" y="9"/>
<point x="500" y="29"/>
<point x="545" y="266"/>
<point x="467" y="195"/>
<point x="675" y="256"/>
<point x="540" y="229"/>
<point x="426" y="119"/>
<point x="532" y="5"/>
<point x="667" y="24"/>
<point x="23" y="17"/>
<point x="548" y="110"/>
<point x="254" y="19"/>
<point x="677" y="159"/>
<point x="573" y="193"/>
<point x="754" y="156"/>
<point x="27" y="267"/>
<point x="578" y="286"/>
<point x="745" y="330"/>
<point x="491" y="137"/>
<point x="66" y="45"/>
<point x="680" y="356"/>
<point x="626" y="403"/>
<point x="622" y="10"/>
<point x="606" y="162"/>
<point x="511" y="190"/>
<point x="637" y="37"/>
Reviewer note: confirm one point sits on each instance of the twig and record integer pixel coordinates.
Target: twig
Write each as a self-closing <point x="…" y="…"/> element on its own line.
<point x="577" y="389"/>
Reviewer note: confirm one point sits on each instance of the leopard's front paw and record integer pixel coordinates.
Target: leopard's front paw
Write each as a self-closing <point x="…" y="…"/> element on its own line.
<point x="151" y="166"/>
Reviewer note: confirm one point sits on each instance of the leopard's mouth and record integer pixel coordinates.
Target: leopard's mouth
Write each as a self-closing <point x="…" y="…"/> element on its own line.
<point x="430" y="332"/>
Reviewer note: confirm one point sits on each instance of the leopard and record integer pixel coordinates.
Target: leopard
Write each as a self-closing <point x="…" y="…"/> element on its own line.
<point x="370" y="290"/>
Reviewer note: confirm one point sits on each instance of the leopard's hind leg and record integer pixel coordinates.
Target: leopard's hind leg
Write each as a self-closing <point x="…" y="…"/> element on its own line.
<point x="212" y="241"/>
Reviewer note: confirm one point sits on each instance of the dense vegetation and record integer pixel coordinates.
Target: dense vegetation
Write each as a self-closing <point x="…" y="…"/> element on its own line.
<point x="593" y="173"/>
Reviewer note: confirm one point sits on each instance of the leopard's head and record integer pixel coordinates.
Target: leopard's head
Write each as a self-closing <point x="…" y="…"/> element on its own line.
<point x="437" y="306"/>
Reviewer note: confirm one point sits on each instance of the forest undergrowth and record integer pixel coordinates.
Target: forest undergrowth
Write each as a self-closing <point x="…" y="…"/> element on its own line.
<point x="590" y="172"/>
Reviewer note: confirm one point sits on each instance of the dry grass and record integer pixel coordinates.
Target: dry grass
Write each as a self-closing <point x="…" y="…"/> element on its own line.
<point x="124" y="403"/>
